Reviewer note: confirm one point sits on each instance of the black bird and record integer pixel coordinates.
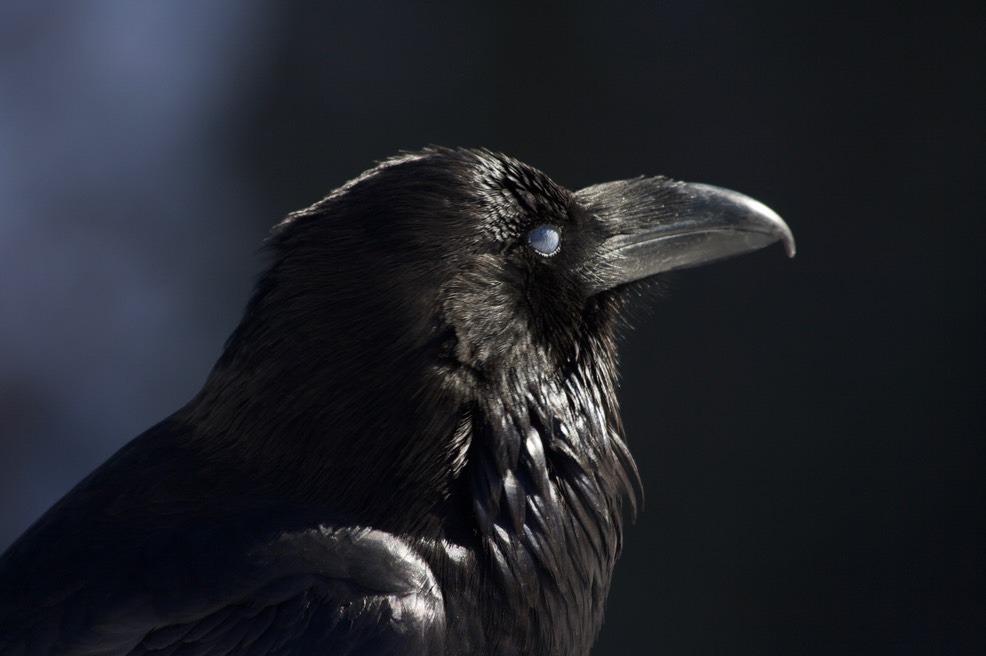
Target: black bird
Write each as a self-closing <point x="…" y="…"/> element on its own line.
<point x="411" y="443"/>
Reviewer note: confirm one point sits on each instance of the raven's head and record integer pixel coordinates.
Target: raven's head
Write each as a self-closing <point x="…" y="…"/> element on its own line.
<point x="438" y="280"/>
<point x="432" y="352"/>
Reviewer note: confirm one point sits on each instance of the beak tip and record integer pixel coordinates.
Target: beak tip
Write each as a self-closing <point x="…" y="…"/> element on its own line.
<point x="769" y="220"/>
<point x="787" y="238"/>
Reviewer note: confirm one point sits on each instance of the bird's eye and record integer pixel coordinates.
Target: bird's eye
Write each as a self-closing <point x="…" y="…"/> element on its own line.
<point x="545" y="239"/>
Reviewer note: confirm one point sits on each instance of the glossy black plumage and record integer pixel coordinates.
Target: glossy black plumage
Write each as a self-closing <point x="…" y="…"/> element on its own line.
<point x="411" y="443"/>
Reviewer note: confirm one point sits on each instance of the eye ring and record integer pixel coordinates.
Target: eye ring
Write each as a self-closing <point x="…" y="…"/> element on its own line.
<point x="544" y="239"/>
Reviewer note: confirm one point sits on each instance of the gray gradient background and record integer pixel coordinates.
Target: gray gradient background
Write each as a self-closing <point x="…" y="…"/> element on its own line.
<point x="811" y="433"/>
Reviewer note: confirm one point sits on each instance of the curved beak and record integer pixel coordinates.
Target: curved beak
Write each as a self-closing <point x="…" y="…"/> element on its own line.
<point x="657" y="225"/>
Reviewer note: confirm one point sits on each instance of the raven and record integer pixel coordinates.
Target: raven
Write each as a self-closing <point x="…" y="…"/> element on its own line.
<point x="411" y="443"/>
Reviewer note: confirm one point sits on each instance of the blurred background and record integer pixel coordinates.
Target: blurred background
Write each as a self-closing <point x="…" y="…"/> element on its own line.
<point x="811" y="433"/>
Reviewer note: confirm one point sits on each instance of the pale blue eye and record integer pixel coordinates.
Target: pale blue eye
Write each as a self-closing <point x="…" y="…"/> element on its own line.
<point x="545" y="239"/>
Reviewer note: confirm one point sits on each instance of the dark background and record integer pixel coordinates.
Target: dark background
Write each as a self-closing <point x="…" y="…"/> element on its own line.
<point x="811" y="432"/>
